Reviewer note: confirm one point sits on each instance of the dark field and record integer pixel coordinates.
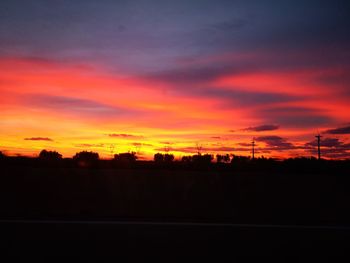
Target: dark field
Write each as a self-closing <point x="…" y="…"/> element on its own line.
<point x="208" y="213"/>
<point x="178" y="195"/>
<point x="101" y="242"/>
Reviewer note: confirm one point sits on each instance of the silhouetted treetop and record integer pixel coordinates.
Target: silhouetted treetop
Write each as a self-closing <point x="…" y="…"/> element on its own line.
<point x="222" y="158"/>
<point x="160" y="158"/>
<point x="240" y="159"/>
<point x="198" y="159"/>
<point x="125" y="157"/>
<point x="168" y="157"/>
<point x="85" y="155"/>
<point x="50" y="155"/>
<point x="202" y="159"/>
<point x="86" y="159"/>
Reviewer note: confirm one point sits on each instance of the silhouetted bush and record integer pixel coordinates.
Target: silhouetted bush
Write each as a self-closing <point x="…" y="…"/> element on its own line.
<point x="236" y="159"/>
<point x="125" y="159"/>
<point x="168" y="158"/>
<point x="197" y="160"/>
<point x="163" y="158"/>
<point x="86" y="159"/>
<point x="158" y="157"/>
<point x="223" y="158"/>
<point x="50" y="155"/>
<point x="201" y="160"/>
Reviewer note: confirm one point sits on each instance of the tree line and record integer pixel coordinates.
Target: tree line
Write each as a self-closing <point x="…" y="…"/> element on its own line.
<point x="227" y="162"/>
<point x="85" y="157"/>
<point x="89" y="156"/>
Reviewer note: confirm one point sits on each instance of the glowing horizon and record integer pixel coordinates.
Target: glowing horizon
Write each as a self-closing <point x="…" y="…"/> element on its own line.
<point x="150" y="81"/>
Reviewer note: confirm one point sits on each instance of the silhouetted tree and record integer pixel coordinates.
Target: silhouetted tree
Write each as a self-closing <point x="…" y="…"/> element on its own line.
<point x="222" y="158"/>
<point x="50" y="155"/>
<point x="236" y="159"/>
<point x="168" y="158"/>
<point x="158" y="158"/>
<point x="86" y="159"/>
<point x="202" y="159"/>
<point x="125" y="157"/>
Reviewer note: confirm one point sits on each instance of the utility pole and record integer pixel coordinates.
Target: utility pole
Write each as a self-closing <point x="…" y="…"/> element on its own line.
<point x="253" y="148"/>
<point x="319" y="146"/>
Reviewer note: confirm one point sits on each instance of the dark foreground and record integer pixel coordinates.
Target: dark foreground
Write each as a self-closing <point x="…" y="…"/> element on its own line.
<point x="50" y="213"/>
<point x="176" y="196"/>
<point x="103" y="241"/>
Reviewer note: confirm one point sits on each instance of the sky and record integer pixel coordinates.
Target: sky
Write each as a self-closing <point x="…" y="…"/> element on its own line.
<point x="175" y="76"/>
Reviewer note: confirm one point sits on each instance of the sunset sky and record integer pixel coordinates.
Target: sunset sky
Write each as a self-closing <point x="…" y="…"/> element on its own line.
<point x="150" y="76"/>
